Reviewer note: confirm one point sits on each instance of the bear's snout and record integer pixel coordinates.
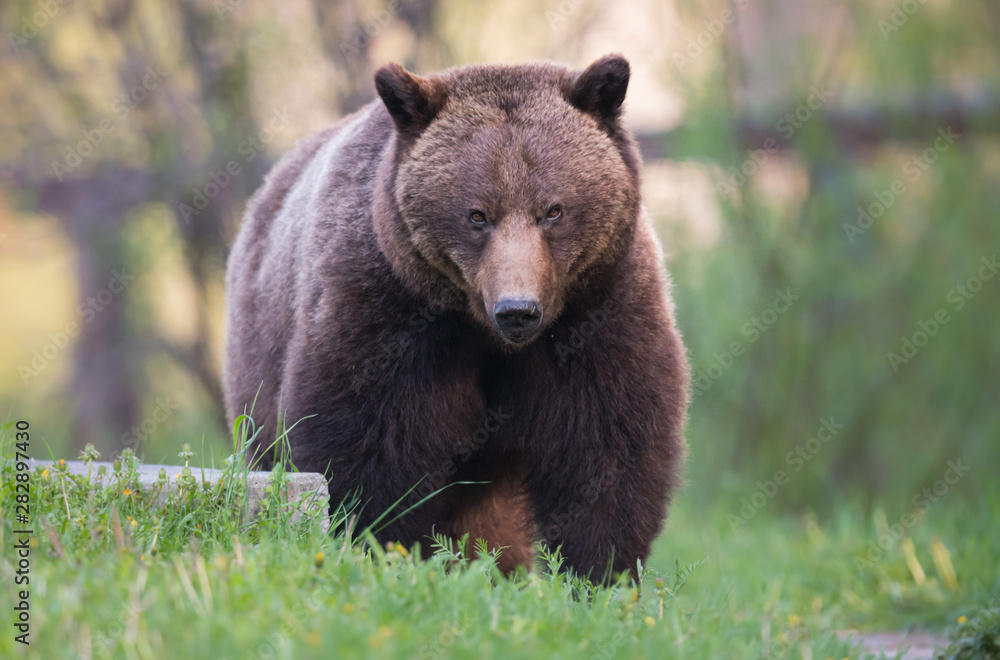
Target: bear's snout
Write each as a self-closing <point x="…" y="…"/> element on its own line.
<point x="517" y="319"/>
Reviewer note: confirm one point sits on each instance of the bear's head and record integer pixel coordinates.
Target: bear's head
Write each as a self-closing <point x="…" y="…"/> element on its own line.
<point x="507" y="184"/>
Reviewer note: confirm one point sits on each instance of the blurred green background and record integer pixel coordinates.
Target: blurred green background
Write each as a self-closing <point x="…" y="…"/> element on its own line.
<point x="825" y="177"/>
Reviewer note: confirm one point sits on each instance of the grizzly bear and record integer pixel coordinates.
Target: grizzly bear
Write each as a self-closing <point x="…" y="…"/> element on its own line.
<point x="454" y="303"/>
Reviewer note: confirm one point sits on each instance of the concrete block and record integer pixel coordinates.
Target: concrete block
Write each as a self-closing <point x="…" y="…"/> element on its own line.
<point x="308" y="487"/>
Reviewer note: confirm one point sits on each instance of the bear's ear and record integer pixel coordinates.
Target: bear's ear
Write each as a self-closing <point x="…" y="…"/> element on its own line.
<point x="412" y="101"/>
<point x="600" y="89"/>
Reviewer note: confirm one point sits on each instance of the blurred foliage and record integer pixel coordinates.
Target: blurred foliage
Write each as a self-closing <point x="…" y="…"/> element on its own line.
<point x="873" y="85"/>
<point x="863" y="292"/>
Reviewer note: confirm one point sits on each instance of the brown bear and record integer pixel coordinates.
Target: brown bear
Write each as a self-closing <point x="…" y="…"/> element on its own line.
<point x="456" y="291"/>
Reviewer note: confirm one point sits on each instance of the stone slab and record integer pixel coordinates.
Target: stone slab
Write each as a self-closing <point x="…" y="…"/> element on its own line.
<point x="309" y="487"/>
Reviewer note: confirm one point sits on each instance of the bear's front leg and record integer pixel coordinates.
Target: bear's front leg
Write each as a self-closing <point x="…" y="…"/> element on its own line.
<point x="604" y="508"/>
<point x="391" y="435"/>
<point x="606" y="424"/>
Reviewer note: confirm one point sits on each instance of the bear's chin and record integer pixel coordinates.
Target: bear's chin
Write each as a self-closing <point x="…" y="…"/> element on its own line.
<point x="514" y="344"/>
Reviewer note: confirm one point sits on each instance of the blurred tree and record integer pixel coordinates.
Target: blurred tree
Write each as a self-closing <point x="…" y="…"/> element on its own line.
<point x="198" y="92"/>
<point x="199" y="119"/>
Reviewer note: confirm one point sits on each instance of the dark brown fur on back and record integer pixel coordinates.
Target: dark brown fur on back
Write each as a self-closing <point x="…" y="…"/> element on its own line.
<point x="363" y="309"/>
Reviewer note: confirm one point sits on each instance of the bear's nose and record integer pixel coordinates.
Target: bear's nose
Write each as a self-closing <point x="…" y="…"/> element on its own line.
<point x="517" y="318"/>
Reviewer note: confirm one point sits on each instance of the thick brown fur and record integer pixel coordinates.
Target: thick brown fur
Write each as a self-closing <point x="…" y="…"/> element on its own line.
<point x="361" y="305"/>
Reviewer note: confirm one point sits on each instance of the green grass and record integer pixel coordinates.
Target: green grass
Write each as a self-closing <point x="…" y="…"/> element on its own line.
<point x="112" y="577"/>
<point x="977" y="637"/>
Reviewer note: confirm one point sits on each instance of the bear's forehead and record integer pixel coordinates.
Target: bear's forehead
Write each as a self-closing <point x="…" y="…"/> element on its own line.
<point x="504" y="125"/>
<point x="508" y="90"/>
<point x="481" y="79"/>
<point x="512" y="162"/>
<point x="511" y="110"/>
<point x="481" y="136"/>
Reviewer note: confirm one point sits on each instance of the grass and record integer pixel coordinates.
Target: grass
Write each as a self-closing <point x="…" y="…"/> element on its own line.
<point x="978" y="637"/>
<point x="114" y="577"/>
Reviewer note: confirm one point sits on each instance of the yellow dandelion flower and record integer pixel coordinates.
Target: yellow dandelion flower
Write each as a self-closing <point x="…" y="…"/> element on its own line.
<point x="127" y="492"/>
<point x="61" y="462"/>
<point x="793" y="620"/>
<point x="401" y="550"/>
<point x="348" y="608"/>
<point x="962" y="619"/>
<point x="319" y="560"/>
<point x="45" y="474"/>
<point x="650" y="621"/>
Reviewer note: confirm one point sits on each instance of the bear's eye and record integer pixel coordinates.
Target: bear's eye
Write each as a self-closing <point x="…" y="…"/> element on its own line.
<point x="554" y="213"/>
<point x="477" y="218"/>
